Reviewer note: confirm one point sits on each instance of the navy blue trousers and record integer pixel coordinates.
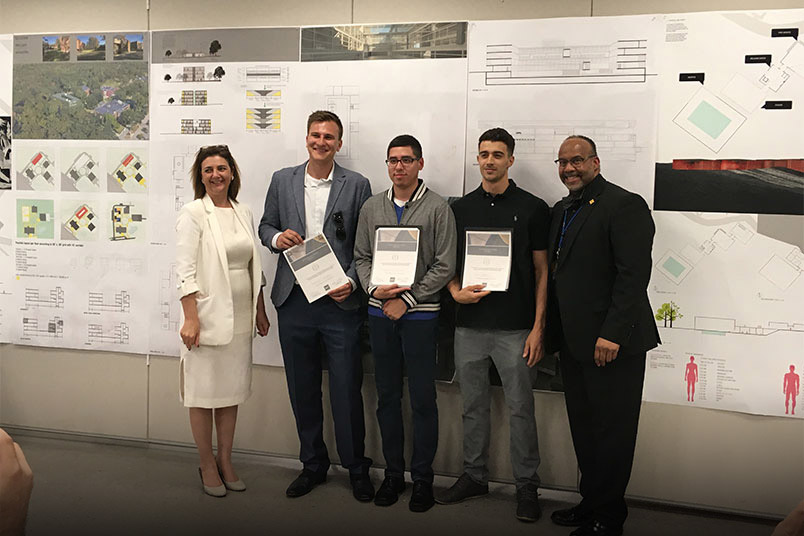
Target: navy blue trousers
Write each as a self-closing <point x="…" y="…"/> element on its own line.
<point x="411" y="343"/>
<point x="303" y="327"/>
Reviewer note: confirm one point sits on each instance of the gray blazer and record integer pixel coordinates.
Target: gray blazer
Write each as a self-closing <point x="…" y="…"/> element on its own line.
<point x="284" y="209"/>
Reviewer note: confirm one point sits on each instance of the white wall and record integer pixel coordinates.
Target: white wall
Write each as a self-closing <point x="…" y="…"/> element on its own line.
<point x="684" y="455"/>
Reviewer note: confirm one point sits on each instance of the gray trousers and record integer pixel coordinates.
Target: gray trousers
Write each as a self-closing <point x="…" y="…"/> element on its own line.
<point x="474" y="348"/>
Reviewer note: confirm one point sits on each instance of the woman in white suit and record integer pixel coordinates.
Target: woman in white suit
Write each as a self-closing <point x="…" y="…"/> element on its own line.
<point x="220" y="283"/>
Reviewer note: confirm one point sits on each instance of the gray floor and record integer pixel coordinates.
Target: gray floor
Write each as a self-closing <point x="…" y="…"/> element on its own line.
<point x="87" y="488"/>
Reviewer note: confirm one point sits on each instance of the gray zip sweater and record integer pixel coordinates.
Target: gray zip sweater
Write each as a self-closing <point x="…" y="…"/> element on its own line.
<point x="437" y="244"/>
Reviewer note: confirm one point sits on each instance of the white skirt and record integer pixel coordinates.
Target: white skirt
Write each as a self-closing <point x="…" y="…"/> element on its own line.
<point x="220" y="376"/>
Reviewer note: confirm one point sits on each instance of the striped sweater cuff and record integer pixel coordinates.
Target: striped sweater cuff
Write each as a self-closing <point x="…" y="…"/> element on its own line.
<point x="409" y="299"/>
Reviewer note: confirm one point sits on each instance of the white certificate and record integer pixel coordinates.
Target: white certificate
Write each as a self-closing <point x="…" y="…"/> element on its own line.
<point x="316" y="267"/>
<point x="396" y="251"/>
<point x="487" y="259"/>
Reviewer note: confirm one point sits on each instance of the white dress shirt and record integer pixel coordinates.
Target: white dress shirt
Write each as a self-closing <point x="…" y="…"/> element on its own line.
<point x="316" y="195"/>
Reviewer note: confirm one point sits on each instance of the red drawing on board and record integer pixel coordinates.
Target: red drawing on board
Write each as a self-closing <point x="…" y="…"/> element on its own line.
<point x="790" y="390"/>
<point x="691" y="377"/>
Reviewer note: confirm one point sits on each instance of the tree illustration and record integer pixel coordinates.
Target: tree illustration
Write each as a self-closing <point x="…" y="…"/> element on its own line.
<point x="668" y="311"/>
<point x="168" y="53"/>
<point x="219" y="72"/>
<point x="214" y="47"/>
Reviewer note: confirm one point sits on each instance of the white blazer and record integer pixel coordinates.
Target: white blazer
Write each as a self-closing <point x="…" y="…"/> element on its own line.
<point x="202" y="267"/>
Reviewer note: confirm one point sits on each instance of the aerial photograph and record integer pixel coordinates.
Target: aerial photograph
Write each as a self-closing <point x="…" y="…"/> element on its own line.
<point x="92" y="100"/>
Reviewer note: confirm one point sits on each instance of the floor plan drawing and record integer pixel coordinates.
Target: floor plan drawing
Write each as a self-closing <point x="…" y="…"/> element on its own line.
<point x="624" y="61"/>
<point x="120" y="302"/>
<point x="38" y="298"/>
<point x="117" y="334"/>
<point x="51" y="328"/>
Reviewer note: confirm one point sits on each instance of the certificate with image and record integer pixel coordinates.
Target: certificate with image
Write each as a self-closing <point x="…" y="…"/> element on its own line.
<point x="396" y="250"/>
<point x="487" y="259"/>
<point x="316" y="267"/>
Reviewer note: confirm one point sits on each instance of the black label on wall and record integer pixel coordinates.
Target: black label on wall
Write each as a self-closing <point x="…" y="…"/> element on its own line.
<point x="778" y="105"/>
<point x="785" y="32"/>
<point x="758" y="58"/>
<point x="691" y="77"/>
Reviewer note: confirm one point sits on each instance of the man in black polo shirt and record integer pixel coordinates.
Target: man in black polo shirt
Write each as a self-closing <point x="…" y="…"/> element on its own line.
<point x="503" y="327"/>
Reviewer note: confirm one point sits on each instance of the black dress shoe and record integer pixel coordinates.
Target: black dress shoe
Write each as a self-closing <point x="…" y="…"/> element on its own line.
<point x="421" y="499"/>
<point x="571" y="517"/>
<point x="305" y="483"/>
<point x="362" y="488"/>
<point x="596" y="528"/>
<point x="389" y="491"/>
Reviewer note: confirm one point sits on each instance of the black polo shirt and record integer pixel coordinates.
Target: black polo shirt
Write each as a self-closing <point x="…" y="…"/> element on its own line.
<point x="529" y="218"/>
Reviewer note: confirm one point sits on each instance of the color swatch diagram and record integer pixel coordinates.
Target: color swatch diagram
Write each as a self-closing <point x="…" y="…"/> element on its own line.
<point x="125" y="222"/>
<point x="196" y="126"/>
<point x="34" y="218"/>
<point x="82" y="175"/>
<point x="38" y="172"/>
<point x="263" y="119"/>
<point x="130" y="174"/>
<point x="264" y="94"/>
<point x="82" y="225"/>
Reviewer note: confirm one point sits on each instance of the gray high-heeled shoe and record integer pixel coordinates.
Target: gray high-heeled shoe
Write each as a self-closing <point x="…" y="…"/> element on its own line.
<point x="237" y="485"/>
<point x="214" y="491"/>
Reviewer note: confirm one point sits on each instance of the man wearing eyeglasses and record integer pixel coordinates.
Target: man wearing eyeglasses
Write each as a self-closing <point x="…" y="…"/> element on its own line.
<point x="403" y="320"/>
<point x="303" y="201"/>
<point x="599" y="317"/>
<point x="506" y="328"/>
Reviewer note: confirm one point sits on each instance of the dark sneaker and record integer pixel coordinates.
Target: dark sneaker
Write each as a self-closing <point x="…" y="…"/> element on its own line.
<point x="421" y="499"/>
<point x="389" y="490"/>
<point x="463" y="488"/>
<point x="527" y="503"/>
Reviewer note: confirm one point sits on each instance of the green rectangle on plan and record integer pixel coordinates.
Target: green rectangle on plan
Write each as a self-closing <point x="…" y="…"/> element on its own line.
<point x="674" y="267"/>
<point x="709" y="119"/>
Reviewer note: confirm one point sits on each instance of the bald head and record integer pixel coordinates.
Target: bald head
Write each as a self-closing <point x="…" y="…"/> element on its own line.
<point x="578" y="163"/>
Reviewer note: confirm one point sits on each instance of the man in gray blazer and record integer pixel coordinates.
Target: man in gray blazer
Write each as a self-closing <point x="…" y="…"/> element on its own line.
<point x="303" y="201"/>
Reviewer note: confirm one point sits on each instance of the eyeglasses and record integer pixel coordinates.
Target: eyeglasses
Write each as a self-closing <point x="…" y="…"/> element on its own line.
<point x="340" y="231"/>
<point x="574" y="161"/>
<point x="406" y="161"/>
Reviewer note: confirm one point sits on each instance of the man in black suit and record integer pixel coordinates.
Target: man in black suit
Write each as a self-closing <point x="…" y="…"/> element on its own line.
<point x="599" y="317"/>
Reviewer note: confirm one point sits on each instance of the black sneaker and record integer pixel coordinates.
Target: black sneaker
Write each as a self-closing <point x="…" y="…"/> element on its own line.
<point x="527" y="503"/>
<point x="422" y="498"/>
<point x="389" y="490"/>
<point x="464" y="488"/>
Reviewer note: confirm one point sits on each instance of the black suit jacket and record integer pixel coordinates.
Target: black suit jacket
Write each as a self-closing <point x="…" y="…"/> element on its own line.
<point x="598" y="286"/>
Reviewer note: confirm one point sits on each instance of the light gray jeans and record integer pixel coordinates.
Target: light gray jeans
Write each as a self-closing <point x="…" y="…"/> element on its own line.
<point x="474" y="350"/>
